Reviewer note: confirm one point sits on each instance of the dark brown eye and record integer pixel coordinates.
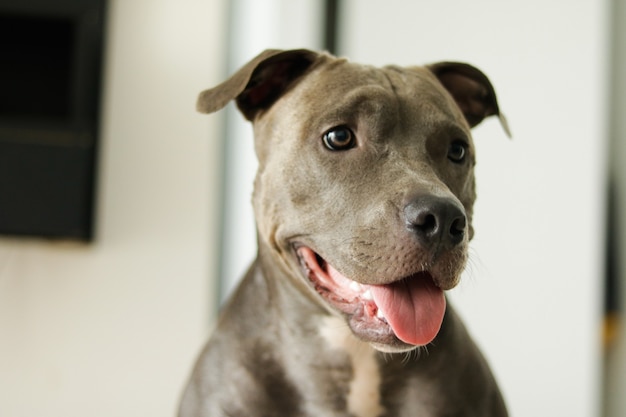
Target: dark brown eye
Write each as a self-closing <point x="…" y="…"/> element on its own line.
<point x="457" y="151"/>
<point x="339" y="139"/>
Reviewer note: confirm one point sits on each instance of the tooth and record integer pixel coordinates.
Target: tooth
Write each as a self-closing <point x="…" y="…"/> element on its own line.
<point x="355" y="286"/>
<point x="367" y="295"/>
<point x="379" y="314"/>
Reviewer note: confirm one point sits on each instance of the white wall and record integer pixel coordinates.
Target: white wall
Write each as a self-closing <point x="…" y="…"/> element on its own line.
<point x="112" y="328"/>
<point x="532" y="296"/>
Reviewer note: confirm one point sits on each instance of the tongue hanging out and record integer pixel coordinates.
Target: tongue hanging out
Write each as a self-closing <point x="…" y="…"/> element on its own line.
<point x="413" y="307"/>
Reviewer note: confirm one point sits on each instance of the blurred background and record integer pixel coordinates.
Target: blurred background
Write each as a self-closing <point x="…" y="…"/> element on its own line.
<point x="104" y="310"/>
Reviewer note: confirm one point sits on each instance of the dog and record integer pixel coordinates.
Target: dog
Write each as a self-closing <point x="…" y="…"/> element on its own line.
<point x="363" y="203"/>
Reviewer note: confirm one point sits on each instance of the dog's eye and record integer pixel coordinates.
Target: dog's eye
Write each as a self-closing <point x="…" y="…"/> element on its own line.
<point x="457" y="151"/>
<point x="339" y="139"/>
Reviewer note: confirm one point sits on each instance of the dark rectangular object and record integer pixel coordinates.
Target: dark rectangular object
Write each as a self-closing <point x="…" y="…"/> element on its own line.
<point x="46" y="190"/>
<point x="50" y="76"/>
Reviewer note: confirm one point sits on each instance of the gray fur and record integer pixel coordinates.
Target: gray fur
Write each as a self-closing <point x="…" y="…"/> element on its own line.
<point x="268" y="356"/>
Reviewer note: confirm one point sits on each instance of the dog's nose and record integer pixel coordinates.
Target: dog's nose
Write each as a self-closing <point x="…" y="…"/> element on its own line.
<point x="436" y="220"/>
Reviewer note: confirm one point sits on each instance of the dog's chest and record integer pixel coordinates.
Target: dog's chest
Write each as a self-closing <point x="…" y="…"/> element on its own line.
<point x="363" y="399"/>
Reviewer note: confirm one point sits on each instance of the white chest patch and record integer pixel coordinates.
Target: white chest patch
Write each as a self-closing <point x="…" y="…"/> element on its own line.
<point x="364" y="396"/>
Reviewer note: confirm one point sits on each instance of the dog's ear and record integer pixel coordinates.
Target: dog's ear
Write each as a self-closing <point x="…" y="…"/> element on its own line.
<point x="259" y="83"/>
<point x="471" y="90"/>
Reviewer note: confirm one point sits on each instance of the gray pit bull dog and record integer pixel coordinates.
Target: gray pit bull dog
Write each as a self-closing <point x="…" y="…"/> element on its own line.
<point x="363" y="201"/>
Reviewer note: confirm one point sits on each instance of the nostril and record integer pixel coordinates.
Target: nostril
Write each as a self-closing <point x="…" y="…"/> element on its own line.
<point x="426" y="223"/>
<point x="457" y="228"/>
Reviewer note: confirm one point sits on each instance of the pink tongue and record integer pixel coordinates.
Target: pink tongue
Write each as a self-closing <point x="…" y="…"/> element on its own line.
<point x="414" y="308"/>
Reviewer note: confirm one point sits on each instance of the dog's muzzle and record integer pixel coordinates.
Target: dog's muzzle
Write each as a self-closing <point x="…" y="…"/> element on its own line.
<point x="405" y="313"/>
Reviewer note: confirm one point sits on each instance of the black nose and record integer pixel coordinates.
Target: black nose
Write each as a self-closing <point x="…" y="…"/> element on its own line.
<point x="436" y="220"/>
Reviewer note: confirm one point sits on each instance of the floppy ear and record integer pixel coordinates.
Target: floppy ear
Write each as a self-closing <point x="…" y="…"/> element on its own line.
<point x="472" y="91"/>
<point x="259" y="83"/>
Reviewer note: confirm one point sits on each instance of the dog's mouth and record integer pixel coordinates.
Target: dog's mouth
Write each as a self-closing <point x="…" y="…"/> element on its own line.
<point x="408" y="310"/>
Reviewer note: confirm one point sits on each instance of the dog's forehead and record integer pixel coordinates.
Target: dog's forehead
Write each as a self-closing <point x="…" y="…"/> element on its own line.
<point x="343" y="85"/>
<point x="341" y="76"/>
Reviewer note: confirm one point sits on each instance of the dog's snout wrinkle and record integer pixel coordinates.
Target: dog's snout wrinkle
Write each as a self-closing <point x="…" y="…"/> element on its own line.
<point x="436" y="220"/>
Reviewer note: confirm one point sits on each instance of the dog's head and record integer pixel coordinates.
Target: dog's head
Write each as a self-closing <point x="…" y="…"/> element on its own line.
<point x="365" y="184"/>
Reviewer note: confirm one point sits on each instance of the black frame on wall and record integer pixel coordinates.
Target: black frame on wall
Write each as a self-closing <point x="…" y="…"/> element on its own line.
<point x="50" y="87"/>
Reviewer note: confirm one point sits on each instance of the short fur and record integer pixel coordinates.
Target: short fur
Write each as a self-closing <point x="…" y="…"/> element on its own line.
<point x="280" y="348"/>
